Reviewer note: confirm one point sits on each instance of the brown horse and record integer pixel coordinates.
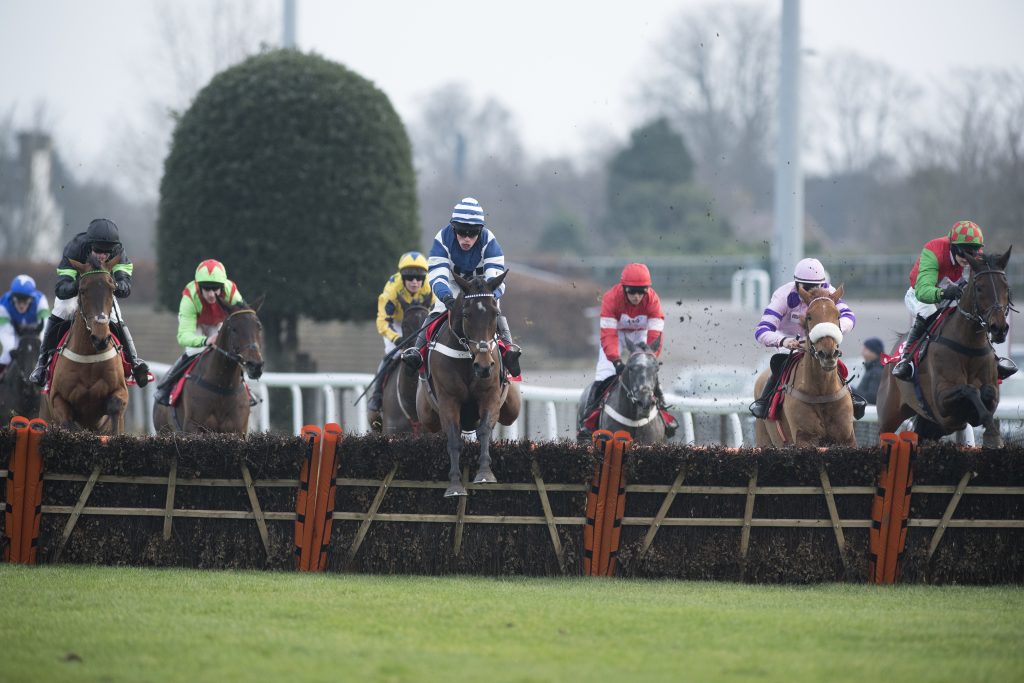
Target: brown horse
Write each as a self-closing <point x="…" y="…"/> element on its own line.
<point x="818" y="409"/>
<point x="88" y="389"/>
<point x="398" y="410"/>
<point x="958" y="377"/>
<point x="214" y="398"/>
<point x="18" y="395"/>
<point x="470" y="390"/>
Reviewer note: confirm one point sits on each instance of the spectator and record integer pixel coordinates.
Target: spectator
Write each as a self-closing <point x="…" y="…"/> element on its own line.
<point x="871" y="353"/>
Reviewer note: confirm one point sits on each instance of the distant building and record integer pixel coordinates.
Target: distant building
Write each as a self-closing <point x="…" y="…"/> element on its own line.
<point x="31" y="218"/>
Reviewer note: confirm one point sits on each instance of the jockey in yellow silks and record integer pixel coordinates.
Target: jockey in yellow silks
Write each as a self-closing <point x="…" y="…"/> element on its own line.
<point x="407" y="287"/>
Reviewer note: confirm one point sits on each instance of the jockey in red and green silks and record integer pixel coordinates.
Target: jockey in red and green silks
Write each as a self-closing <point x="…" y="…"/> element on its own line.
<point x="200" y="315"/>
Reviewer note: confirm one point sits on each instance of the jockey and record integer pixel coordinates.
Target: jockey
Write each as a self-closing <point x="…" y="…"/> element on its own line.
<point x="629" y="310"/>
<point x="102" y="241"/>
<point x="22" y="306"/>
<point x="780" y="325"/>
<point x="199" y="318"/>
<point x="409" y="287"/>
<point x="467" y="248"/>
<point x="937" y="276"/>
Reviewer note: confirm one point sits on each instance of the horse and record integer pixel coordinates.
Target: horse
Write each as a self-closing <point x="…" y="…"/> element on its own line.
<point x="214" y="398"/>
<point x="470" y="390"/>
<point x="18" y="395"/>
<point x="957" y="382"/>
<point x="631" y="404"/>
<point x="398" y="411"/>
<point x="818" y="409"/>
<point x="88" y="389"/>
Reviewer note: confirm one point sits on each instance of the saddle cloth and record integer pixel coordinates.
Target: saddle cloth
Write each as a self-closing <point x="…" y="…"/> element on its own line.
<point x="432" y="331"/>
<point x="179" y="386"/>
<point x="128" y="378"/>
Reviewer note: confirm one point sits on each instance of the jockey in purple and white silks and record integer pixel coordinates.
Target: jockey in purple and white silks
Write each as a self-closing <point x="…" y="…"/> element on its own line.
<point x="467" y="248"/>
<point x="780" y="325"/>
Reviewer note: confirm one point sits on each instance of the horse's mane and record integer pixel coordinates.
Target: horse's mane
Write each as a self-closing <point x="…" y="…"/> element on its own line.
<point x="94" y="262"/>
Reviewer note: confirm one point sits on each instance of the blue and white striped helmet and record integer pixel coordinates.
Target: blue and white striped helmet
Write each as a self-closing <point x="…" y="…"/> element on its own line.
<point x="468" y="211"/>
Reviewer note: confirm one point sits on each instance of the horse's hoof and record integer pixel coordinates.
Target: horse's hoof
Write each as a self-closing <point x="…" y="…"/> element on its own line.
<point x="485" y="477"/>
<point x="455" y="490"/>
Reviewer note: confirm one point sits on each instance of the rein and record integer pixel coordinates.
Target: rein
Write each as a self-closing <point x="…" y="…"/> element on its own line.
<point x="236" y="358"/>
<point x="980" y="319"/>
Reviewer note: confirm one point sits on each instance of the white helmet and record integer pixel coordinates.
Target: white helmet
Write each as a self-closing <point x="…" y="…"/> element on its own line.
<point x="810" y="270"/>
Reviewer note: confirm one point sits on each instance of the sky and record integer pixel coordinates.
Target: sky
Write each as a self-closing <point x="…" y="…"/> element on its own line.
<point x="567" y="70"/>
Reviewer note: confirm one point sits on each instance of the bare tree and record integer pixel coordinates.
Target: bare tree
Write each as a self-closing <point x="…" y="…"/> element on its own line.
<point x="715" y="78"/>
<point x="863" y="111"/>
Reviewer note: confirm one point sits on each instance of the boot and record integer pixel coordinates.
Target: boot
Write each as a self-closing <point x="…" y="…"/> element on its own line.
<point x="1005" y="367"/>
<point x="586" y="408"/>
<point x="376" y="400"/>
<point x="53" y="330"/>
<point x="671" y="423"/>
<point x="760" y="407"/>
<point x="904" y="368"/>
<point x="513" y="352"/>
<point x="140" y="371"/>
<point x="411" y="356"/>
<point x="166" y="384"/>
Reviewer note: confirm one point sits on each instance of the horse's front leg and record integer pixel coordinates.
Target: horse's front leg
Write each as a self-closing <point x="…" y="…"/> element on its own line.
<point x="449" y="413"/>
<point x="484" y="475"/>
<point x="964" y="403"/>
<point x="61" y="412"/>
<point x="115" y="409"/>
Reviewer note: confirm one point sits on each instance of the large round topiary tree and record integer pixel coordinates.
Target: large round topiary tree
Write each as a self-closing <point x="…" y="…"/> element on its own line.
<point x="297" y="174"/>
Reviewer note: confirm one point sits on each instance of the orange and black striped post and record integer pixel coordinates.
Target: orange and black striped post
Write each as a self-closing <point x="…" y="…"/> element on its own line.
<point x="306" y="496"/>
<point x="16" y="479"/>
<point x="592" y="530"/>
<point x="326" y="487"/>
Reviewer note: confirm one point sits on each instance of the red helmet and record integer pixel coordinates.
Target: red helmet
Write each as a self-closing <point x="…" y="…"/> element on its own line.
<point x="636" y="275"/>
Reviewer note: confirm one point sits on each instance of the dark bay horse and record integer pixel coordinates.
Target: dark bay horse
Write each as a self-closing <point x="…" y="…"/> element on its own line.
<point x="88" y="388"/>
<point x="398" y="410"/>
<point x="818" y="409"/>
<point x="631" y="405"/>
<point x="958" y="377"/>
<point x="214" y="398"/>
<point x="18" y="395"/>
<point x="469" y="389"/>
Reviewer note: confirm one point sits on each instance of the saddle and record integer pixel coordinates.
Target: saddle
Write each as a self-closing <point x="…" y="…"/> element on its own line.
<point x="920" y="347"/>
<point x="179" y="386"/>
<point x="434" y="328"/>
<point x="784" y="366"/>
<point x="592" y="421"/>
<point x="128" y="377"/>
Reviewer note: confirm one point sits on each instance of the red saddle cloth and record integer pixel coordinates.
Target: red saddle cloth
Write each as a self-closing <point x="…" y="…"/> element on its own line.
<point x="434" y="327"/>
<point x="933" y="330"/>
<point x="180" y="384"/>
<point x="128" y="378"/>
<point x="593" y="420"/>
<point x="786" y="374"/>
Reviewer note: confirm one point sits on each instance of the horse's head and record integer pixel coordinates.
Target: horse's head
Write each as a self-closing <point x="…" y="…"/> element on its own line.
<point x="821" y="325"/>
<point x="413" y="316"/>
<point x="241" y="336"/>
<point x="640" y="376"/>
<point x="96" y="297"/>
<point x="476" y="313"/>
<point x="25" y="354"/>
<point x="987" y="299"/>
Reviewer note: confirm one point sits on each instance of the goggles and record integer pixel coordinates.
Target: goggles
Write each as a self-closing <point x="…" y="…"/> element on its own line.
<point x="808" y="286"/>
<point x="419" y="277"/>
<point x="21" y="298"/>
<point x="211" y="286"/>
<point x="467" y="231"/>
<point x="635" y="290"/>
<point x="102" y="247"/>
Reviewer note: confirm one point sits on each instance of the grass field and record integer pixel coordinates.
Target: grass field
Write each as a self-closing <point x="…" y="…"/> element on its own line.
<point x="110" y="624"/>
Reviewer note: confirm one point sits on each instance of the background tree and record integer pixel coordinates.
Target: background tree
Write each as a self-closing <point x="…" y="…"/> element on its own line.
<point x="297" y="173"/>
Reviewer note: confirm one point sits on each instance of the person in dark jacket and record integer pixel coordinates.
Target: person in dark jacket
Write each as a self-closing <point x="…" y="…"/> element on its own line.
<point x="102" y="241"/>
<point x="871" y="353"/>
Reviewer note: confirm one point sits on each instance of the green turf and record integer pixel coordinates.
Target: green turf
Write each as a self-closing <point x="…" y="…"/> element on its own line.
<point x="109" y="624"/>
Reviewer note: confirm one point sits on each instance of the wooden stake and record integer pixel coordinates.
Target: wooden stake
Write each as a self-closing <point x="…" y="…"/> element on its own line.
<point x="371" y="513"/>
<point x="172" y="482"/>
<point x="948" y="514"/>
<point x="254" y="500"/>
<point x="833" y="513"/>
<point x="556" y="542"/>
<point x="748" y="514"/>
<point x="662" y="512"/>
<point x="76" y="513"/>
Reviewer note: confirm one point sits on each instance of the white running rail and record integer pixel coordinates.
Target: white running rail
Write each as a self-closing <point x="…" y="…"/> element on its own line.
<point x="548" y="412"/>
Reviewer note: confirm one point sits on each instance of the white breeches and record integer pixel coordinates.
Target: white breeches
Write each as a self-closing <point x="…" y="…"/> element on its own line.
<point x="917" y="307"/>
<point x="65" y="309"/>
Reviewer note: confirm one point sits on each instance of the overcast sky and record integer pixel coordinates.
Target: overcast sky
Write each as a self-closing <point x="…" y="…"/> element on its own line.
<point x="565" y="68"/>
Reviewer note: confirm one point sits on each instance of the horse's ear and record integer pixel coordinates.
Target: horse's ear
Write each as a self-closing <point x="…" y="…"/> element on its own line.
<point x="657" y="344"/>
<point x="838" y="294"/>
<point x="258" y="302"/>
<point x="78" y="265"/>
<point x="629" y="345"/>
<point x="109" y="265"/>
<point x="461" y="282"/>
<point x="1001" y="261"/>
<point x="495" y="282"/>
<point x="803" y="321"/>
<point x="403" y="304"/>
<point x="805" y="296"/>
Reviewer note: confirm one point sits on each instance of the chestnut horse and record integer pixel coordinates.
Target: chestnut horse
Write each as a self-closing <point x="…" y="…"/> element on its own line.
<point x="818" y="409"/>
<point x="470" y="390"/>
<point x="398" y="410"/>
<point x="87" y="388"/>
<point x="958" y="377"/>
<point x="214" y="398"/>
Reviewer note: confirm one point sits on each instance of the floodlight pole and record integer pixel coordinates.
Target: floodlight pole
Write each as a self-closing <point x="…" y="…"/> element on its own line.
<point x="288" y="27"/>
<point x="788" y="231"/>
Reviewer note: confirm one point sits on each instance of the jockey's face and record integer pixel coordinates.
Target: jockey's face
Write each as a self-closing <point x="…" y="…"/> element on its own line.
<point x="635" y="294"/>
<point x="101" y="256"/>
<point x="412" y="282"/>
<point x="467" y="235"/>
<point x="209" y="295"/>
<point x="21" y="304"/>
<point x="960" y="259"/>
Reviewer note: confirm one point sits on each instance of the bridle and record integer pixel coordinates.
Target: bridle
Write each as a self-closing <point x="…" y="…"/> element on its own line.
<point x="626" y="389"/>
<point x="236" y="356"/>
<point x="822" y="356"/>
<point x="981" y="319"/>
<point x="81" y="308"/>
<point x="480" y="345"/>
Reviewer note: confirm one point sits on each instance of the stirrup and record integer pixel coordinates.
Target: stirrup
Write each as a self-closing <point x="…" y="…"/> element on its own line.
<point x="38" y="376"/>
<point x="412" y="358"/>
<point x="1005" y="368"/>
<point x="903" y="370"/>
<point x="759" y="409"/>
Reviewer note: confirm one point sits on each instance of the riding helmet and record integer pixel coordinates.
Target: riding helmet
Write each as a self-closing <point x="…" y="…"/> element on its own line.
<point x="23" y="285"/>
<point x="966" y="234"/>
<point x="635" y="275"/>
<point x="212" y="271"/>
<point x="102" y="230"/>
<point x="811" y="271"/>
<point x="468" y="212"/>
<point x="412" y="263"/>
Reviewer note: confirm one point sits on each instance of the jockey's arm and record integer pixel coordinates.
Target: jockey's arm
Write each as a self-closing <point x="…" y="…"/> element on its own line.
<point x="8" y="339"/>
<point x="655" y="320"/>
<point x="494" y="263"/>
<point x="439" y="272"/>
<point x="926" y="289"/>
<point x="610" y="326"/>
<point x="386" y="307"/>
<point x="188" y="332"/>
<point x="847" y="320"/>
<point x="767" y="332"/>
<point x="42" y="308"/>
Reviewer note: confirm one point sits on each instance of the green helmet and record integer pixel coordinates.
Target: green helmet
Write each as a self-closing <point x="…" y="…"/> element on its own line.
<point x="966" y="234"/>
<point x="213" y="272"/>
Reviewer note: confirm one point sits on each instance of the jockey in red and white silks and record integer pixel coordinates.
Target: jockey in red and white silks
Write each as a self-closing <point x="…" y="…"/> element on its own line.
<point x="621" y="318"/>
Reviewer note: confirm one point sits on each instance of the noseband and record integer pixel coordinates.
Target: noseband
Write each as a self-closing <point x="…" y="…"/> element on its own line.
<point x="822" y="330"/>
<point x="626" y="389"/>
<point x="480" y="345"/>
<point x="235" y="356"/>
<point x="81" y="308"/>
